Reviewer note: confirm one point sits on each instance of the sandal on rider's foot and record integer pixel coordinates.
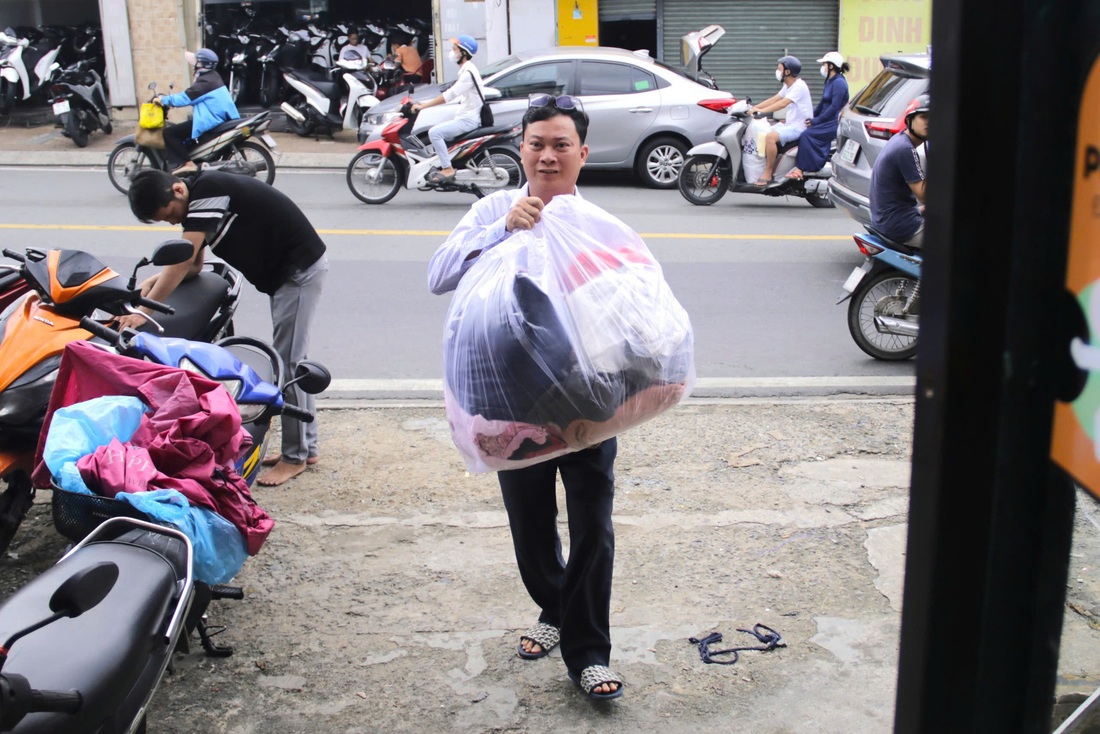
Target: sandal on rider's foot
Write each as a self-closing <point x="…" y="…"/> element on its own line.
<point x="595" y="676"/>
<point x="762" y="182"/>
<point x="546" y="636"/>
<point x="439" y="178"/>
<point x="189" y="167"/>
<point x="795" y="174"/>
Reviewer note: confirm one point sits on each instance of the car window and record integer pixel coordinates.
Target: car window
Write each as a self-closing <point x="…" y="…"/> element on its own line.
<point x="548" y="78"/>
<point x="888" y="94"/>
<point x="598" y="77"/>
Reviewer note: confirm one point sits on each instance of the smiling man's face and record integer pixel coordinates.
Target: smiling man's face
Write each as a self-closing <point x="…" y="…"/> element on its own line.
<point x="552" y="155"/>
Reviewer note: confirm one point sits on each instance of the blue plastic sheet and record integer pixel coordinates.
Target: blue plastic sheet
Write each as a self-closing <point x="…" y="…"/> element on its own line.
<point x="81" y="428"/>
<point x="219" y="548"/>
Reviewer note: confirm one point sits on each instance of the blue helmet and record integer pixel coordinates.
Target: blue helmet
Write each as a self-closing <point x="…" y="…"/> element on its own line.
<point x="205" y="59"/>
<point x="466" y="43"/>
<point x="791" y="64"/>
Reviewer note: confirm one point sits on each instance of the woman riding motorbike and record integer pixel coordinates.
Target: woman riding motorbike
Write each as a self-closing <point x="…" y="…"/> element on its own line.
<point x="814" y="145"/>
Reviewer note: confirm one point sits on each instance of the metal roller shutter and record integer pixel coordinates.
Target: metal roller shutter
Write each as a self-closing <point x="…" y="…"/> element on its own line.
<point x="757" y="33"/>
<point x="627" y="9"/>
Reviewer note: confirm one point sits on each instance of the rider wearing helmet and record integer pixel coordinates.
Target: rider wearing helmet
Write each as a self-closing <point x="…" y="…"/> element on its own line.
<point x="212" y="106"/>
<point x="897" y="180"/>
<point x="795" y="98"/>
<point x="467" y="91"/>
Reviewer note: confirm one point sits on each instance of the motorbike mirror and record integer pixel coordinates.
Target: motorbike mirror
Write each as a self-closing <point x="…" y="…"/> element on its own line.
<point x="310" y="377"/>
<point x="152" y="85"/>
<point x="173" y="252"/>
<point x="84" y="589"/>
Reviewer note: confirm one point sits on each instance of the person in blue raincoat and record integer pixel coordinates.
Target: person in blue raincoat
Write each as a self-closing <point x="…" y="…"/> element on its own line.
<point x="813" y="146"/>
<point x="212" y="105"/>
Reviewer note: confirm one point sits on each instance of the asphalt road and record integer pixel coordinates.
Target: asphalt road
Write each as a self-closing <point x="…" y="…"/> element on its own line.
<point x="758" y="276"/>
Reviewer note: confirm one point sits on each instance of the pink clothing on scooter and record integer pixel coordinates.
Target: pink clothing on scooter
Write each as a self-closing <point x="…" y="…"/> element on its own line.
<point x="192" y="436"/>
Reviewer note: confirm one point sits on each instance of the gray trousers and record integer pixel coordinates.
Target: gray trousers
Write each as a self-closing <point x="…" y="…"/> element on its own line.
<point x="293" y="307"/>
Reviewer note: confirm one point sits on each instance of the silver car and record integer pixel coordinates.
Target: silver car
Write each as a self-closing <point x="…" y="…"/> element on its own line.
<point x="644" y="115"/>
<point x="870" y="119"/>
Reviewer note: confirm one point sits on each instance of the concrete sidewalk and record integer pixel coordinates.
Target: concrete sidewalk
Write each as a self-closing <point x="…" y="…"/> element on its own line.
<point x="36" y="140"/>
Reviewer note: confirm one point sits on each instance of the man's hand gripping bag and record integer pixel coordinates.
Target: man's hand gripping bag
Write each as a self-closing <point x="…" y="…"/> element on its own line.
<point x="559" y="338"/>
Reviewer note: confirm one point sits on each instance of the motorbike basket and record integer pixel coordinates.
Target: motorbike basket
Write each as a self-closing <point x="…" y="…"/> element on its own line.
<point x="75" y="515"/>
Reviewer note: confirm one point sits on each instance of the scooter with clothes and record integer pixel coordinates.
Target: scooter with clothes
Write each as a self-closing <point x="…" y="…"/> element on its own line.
<point x="239" y="146"/>
<point x="486" y="159"/>
<point x="712" y="169"/>
<point x="884" y="310"/>
<point x="17" y="55"/>
<point x="337" y="101"/>
<point x="80" y="103"/>
<point x="66" y="285"/>
<point x="142" y="572"/>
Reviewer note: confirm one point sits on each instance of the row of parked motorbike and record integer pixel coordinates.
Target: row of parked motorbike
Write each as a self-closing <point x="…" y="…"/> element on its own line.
<point x="131" y="591"/>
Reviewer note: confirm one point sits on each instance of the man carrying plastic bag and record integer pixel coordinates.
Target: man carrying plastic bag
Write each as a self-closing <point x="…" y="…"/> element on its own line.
<point x="562" y="333"/>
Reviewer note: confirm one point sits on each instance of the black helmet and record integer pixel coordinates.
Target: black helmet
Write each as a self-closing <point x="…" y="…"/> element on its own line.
<point x="792" y="64"/>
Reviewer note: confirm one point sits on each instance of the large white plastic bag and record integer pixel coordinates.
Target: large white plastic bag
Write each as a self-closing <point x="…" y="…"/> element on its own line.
<point x="753" y="152"/>
<point x="561" y="337"/>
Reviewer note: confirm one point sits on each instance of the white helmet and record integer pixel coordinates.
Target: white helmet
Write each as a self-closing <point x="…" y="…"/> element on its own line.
<point x="833" y="57"/>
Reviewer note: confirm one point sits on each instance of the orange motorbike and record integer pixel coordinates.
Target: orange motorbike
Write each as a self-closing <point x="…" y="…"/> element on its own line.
<point x="64" y="286"/>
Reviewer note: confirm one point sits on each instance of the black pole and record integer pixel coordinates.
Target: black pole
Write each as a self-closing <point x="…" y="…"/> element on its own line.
<point x="990" y="514"/>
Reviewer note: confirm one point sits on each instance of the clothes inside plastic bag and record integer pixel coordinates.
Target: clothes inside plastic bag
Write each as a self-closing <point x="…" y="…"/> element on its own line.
<point x="753" y="151"/>
<point x="559" y="338"/>
<point x="219" y="548"/>
<point x="79" y="429"/>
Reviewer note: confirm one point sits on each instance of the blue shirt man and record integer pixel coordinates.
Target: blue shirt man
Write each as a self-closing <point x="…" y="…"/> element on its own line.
<point x="897" y="181"/>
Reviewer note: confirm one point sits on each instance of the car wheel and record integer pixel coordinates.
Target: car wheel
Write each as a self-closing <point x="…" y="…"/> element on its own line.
<point x="659" y="162"/>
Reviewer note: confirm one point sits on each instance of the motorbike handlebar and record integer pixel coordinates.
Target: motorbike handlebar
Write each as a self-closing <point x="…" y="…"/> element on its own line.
<point x="65" y="702"/>
<point x="155" y="305"/>
<point x="100" y="330"/>
<point x="295" y="412"/>
<point x="15" y="255"/>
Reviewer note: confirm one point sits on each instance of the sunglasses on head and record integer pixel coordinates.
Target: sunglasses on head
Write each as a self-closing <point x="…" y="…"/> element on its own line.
<point x="562" y="102"/>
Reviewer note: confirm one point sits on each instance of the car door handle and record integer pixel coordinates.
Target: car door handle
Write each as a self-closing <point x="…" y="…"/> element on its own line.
<point x="641" y="109"/>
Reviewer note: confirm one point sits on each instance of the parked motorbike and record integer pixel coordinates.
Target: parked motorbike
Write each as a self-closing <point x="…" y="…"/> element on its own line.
<point x="17" y="56"/>
<point x="287" y="51"/>
<point x="236" y="146"/>
<point x="68" y="285"/>
<point x="337" y="101"/>
<point x="130" y="583"/>
<point x="712" y="169"/>
<point x="80" y="103"/>
<point x="486" y="159"/>
<point x="884" y="310"/>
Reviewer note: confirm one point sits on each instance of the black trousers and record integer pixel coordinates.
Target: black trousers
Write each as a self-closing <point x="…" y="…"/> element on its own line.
<point x="573" y="596"/>
<point x="176" y="149"/>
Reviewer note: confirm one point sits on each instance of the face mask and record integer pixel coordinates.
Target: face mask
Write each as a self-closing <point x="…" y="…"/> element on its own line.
<point x="778" y="75"/>
<point x="456" y="56"/>
<point x="825" y="70"/>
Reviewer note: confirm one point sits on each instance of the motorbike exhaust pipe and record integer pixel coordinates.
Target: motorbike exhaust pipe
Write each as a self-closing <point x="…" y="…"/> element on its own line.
<point x="901" y="327"/>
<point x="291" y="112"/>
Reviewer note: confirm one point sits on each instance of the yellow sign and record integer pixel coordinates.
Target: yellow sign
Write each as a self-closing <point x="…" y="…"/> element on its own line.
<point x="1075" y="444"/>
<point x="870" y="28"/>
<point x="578" y="23"/>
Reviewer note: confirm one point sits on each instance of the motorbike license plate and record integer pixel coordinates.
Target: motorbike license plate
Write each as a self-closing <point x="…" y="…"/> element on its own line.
<point x="60" y="108"/>
<point x="850" y="152"/>
<point x="268" y="140"/>
<point x="856" y="276"/>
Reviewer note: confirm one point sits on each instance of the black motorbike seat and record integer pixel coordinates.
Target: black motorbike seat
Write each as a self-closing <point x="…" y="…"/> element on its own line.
<point x="103" y="652"/>
<point x="196" y="301"/>
<point x="894" y="244"/>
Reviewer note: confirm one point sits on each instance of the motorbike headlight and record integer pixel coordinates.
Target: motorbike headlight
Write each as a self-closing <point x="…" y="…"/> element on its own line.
<point x="29" y="395"/>
<point x="250" y="411"/>
<point x="233" y="387"/>
<point x="383" y="118"/>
